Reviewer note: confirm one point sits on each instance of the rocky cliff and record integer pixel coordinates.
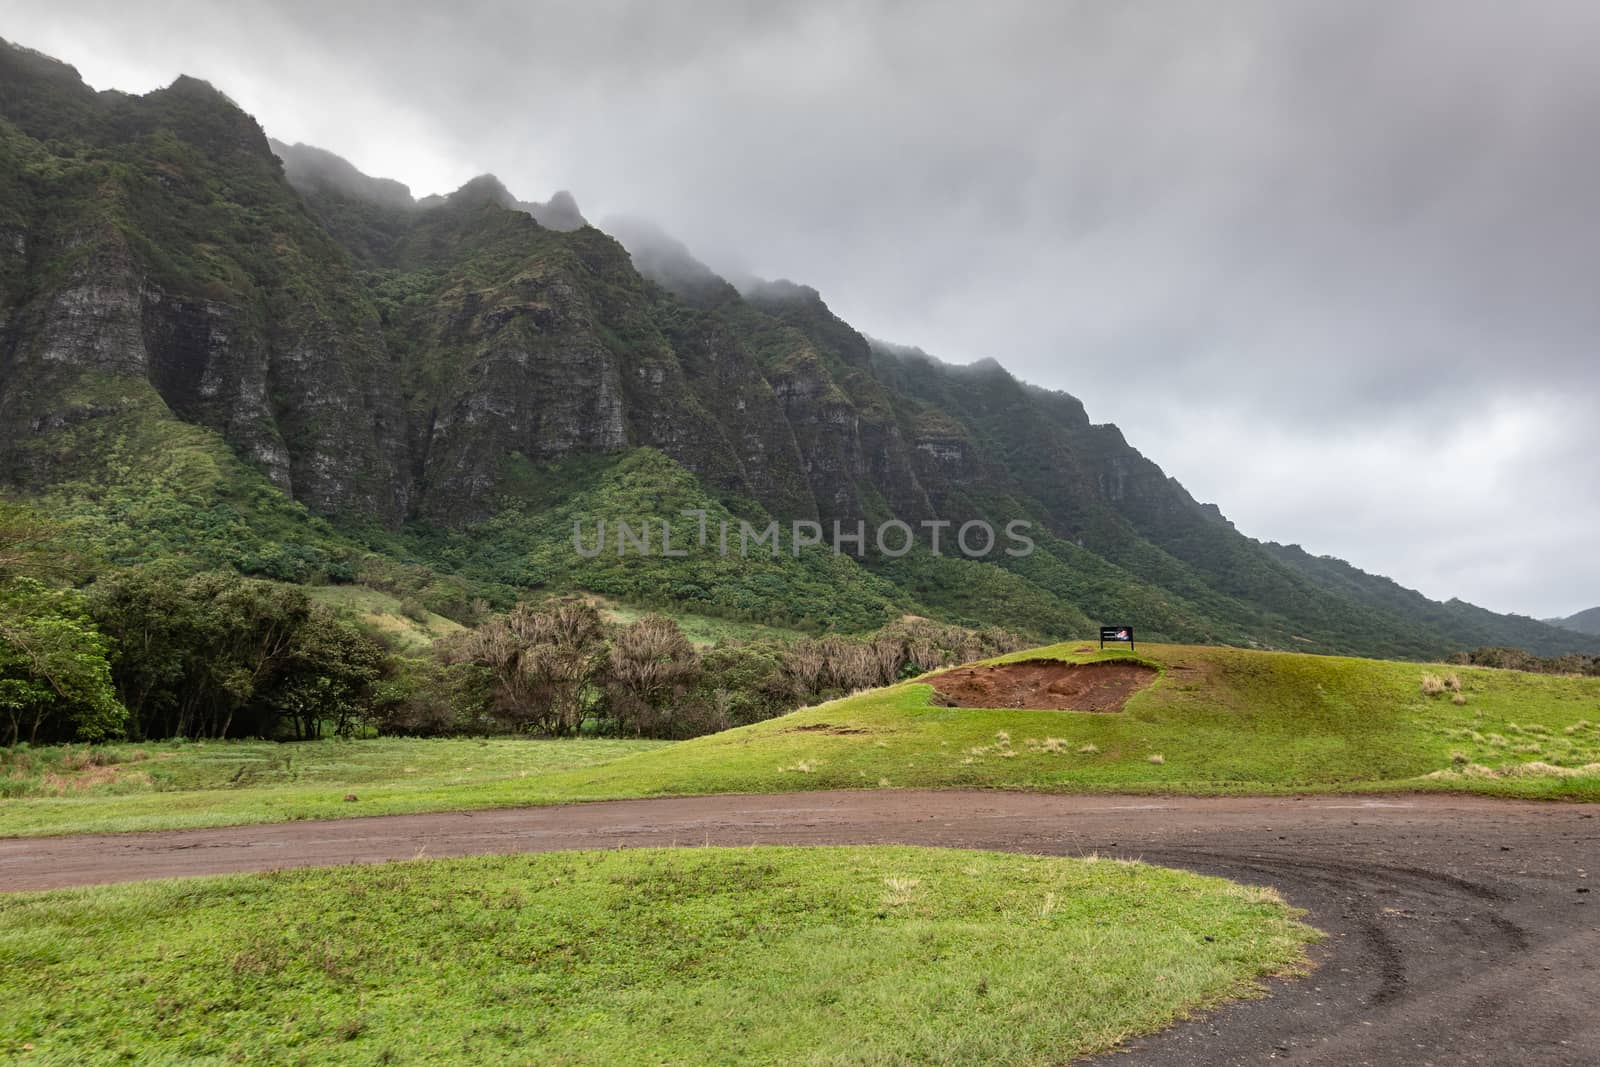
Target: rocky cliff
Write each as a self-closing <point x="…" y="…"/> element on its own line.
<point x="159" y="249"/>
<point x="402" y="365"/>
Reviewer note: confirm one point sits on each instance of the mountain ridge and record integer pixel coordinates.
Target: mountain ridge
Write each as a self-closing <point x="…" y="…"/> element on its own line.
<point x="433" y="375"/>
<point x="1584" y="622"/>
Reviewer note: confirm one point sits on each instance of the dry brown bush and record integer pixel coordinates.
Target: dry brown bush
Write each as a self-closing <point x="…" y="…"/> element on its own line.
<point x="652" y="667"/>
<point x="544" y="661"/>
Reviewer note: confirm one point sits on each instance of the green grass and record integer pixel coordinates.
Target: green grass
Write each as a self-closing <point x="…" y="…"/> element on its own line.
<point x="1223" y="721"/>
<point x="382" y="613"/>
<point x="699" y="629"/>
<point x="879" y="955"/>
<point x="163" y="785"/>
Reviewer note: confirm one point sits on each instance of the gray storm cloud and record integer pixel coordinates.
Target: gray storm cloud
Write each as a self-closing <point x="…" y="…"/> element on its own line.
<point x="1332" y="264"/>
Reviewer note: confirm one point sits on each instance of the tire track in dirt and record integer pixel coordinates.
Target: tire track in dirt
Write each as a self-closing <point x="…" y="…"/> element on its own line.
<point x="1460" y="928"/>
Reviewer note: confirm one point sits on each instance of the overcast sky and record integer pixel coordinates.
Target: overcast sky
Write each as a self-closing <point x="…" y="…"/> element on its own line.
<point x="1334" y="265"/>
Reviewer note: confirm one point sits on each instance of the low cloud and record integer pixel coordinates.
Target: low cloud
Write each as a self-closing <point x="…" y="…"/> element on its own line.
<point x="1332" y="265"/>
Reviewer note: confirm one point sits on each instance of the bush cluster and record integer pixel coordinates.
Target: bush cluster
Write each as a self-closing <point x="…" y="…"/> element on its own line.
<point x="1516" y="659"/>
<point x="555" y="669"/>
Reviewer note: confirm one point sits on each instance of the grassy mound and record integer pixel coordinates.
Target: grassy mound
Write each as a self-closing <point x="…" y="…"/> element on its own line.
<point x="1216" y="720"/>
<point x="767" y="955"/>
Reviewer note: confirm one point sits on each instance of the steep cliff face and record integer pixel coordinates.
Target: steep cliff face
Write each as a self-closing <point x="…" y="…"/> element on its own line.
<point x="430" y="364"/>
<point x="162" y="247"/>
<point x="519" y="338"/>
<point x="836" y="400"/>
<point x="747" y="411"/>
<point x="514" y="338"/>
<point x="497" y="362"/>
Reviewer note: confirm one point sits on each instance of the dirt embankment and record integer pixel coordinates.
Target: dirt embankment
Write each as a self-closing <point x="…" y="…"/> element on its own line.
<point x="1044" y="684"/>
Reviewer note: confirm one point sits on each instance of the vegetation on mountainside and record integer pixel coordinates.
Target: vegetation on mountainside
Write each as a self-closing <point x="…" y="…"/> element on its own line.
<point x="141" y="486"/>
<point x="403" y="623"/>
<point x="530" y="544"/>
<point x="1584" y="622"/>
<point x="163" y="651"/>
<point x="762" y="956"/>
<point x="1463" y="625"/>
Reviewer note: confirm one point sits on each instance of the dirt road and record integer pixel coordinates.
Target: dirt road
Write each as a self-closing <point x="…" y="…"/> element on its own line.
<point x="1462" y="929"/>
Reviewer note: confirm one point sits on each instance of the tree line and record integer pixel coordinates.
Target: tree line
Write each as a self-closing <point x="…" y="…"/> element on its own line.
<point x="1515" y="659"/>
<point x="154" y="653"/>
<point x="158" y="651"/>
<point x="556" y="669"/>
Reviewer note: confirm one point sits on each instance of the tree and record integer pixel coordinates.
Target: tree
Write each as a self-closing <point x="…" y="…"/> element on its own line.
<point x="545" y="662"/>
<point x="218" y="655"/>
<point x="30" y="546"/>
<point x="55" y="678"/>
<point x="444" y="693"/>
<point x="248" y="633"/>
<point x="742" y="683"/>
<point x="155" y="626"/>
<point x="804" y="665"/>
<point x="328" y="676"/>
<point x="652" y="666"/>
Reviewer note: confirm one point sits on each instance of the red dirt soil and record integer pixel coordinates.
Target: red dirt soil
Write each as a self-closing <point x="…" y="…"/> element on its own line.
<point x="1045" y="684"/>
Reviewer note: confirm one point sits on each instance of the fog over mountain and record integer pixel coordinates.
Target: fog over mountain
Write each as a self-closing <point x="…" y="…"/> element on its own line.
<point x="1330" y="264"/>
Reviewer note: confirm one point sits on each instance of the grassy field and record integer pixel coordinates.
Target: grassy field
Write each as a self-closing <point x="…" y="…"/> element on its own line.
<point x="161" y="785"/>
<point x="384" y="614"/>
<point x="738" y="956"/>
<point x="1215" y="721"/>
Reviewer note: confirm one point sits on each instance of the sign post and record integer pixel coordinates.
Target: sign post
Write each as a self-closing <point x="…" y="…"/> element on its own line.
<point x="1116" y="633"/>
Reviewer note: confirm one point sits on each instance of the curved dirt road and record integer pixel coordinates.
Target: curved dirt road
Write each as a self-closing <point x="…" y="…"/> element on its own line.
<point x="1462" y="929"/>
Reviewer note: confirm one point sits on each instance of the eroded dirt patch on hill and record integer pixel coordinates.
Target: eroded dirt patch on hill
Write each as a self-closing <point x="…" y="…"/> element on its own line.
<point x="1044" y="684"/>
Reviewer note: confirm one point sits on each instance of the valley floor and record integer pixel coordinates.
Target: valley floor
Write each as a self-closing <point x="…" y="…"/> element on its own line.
<point x="163" y="785"/>
<point x="1173" y="719"/>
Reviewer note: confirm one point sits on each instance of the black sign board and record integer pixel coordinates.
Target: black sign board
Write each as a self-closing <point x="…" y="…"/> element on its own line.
<point x="1116" y="633"/>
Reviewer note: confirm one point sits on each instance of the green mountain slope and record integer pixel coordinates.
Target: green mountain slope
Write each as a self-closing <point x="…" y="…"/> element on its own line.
<point x="244" y="352"/>
<point x="1584" y="622"/>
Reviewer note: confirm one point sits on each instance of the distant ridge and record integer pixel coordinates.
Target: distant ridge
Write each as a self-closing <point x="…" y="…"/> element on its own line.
<point x="1584" y="622"/>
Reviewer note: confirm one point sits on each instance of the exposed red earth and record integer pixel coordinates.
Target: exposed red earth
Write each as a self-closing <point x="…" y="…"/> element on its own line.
<point x="1044" y="683"/>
